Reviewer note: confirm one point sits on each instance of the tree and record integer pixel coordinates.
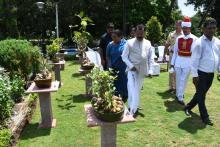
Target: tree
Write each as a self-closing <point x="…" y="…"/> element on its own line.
<point x="8" y="19"/>
<point x="202" y="6"/>
<point x="24" y="16"/>
<point x="154" y="30"/>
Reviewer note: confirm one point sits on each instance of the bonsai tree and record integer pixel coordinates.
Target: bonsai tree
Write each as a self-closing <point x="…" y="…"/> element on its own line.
<point x="43" y="79"/>
<point x="82" y="36"/>
<point x="87" y="64"/>
<point x="154" y="30"/>
<point x="53" y="48"/>
<point x="105" y="104"/>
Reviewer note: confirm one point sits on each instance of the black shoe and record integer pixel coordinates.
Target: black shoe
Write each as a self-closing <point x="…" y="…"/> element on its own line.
<point x="180" y="102"/>
<point x="207" y="121"/>
<point x="135" y="114"/>
<point x="187" y="111"/>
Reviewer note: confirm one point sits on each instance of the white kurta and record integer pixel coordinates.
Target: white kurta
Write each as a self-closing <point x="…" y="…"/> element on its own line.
<point x="182" y="67"/>
<point x="137" y="54"/>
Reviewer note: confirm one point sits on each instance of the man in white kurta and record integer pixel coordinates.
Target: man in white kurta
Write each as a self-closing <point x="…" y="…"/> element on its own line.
<point x="182" y="58"/>
<point x="139" y="60"/>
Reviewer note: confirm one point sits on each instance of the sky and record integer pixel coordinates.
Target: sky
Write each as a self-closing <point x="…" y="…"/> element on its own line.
<point x="186" y="10"/>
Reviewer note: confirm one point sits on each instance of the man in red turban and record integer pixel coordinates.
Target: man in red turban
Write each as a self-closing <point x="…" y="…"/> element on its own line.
<point x="182" y="58"/>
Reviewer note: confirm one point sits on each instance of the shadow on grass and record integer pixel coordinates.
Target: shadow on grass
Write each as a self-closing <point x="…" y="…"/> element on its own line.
<point x="70" y="99"/>
<point x="192" y="124"/>
<point x="165" y="94"/>
<point x="77" y="75"/>
<point x="140" y="114"/>
<point x="173" y="106"/>
<point x="80" y="98"/>
<point x="66" y="106"/>
<point x="32" y="131"/>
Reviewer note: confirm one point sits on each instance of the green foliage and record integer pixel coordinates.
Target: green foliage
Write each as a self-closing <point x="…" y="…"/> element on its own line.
<point x="53" y="48"/>
<point x="84" y="21"/>
<point x="5" y="98"/>
<point x="195" y="23"/>
<point x="203" y="5"/>
<point x="103" y="82"/>
<point x="32" y="98"/>
<point x="103" y="87"/>
<point x="44" y="70"/>
<point x="154" y="30"/>
<point x="5" y="136"/>
<point x="11" y="91"/>
<point x="18" y="56"/>
<point x="82" y="37"/>
<point x="17" y="88"/>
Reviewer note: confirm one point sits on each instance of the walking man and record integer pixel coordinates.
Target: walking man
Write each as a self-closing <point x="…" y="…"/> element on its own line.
<point x="137" y="55"/>
<point x="205" y="60"/>
<point x="169" y="49"/>
<point x="182" y="58"/>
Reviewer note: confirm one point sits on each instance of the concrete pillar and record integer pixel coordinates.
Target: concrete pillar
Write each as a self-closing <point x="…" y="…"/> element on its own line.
<point x="57" y="73"/>
<point x="108" y="135"/>
<point x="46" y="110"/>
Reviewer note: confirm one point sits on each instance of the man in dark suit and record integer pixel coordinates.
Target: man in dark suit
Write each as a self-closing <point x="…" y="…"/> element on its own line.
<point x="105" y="39"/>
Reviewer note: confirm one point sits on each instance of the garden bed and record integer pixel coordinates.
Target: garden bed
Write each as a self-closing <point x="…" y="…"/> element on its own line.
<point x="22" y="115"/>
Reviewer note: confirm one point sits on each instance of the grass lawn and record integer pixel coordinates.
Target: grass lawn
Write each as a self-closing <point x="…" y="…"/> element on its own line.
<point x="162" y="121"/>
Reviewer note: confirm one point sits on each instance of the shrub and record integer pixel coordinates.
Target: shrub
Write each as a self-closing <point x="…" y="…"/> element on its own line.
<point x="154" y="30"/>
<point x="17" y="88"/>
<point x="53" y="48"/>
<point x="5" y="98"/>
<point x="18" y="56"/>
<point x="5" y="136"/>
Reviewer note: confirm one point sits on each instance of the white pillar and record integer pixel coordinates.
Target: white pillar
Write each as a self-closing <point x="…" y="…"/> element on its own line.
<point x="57" y="21"/>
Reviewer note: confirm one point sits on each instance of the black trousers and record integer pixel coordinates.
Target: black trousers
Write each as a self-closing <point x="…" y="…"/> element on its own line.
<point x="204" y="83"/>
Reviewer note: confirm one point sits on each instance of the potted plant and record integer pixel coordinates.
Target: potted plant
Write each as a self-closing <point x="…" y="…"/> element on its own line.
<point x="106" y="105"/>
<point x="87" y="64"/>
<point x="44" y="78"/>
<point x="53" y="49"/>
<point x="82" y="36"/>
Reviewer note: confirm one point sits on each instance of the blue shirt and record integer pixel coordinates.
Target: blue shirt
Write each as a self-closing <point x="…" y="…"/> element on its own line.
<point x="114" y="52"/>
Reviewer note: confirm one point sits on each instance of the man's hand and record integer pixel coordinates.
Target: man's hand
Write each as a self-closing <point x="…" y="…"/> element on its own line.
<point x="195" y="81"/>
<point x="133" y="69"/>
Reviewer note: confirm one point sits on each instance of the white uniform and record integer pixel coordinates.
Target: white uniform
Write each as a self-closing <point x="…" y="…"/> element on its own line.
<point x="137" y="54"/>
<point x="181" y="61"/>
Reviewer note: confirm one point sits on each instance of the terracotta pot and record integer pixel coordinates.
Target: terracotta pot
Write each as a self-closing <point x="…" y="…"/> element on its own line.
<point x="55" y="60"/>
<point x="44" y="83"/>
<point x="109" y="116"/>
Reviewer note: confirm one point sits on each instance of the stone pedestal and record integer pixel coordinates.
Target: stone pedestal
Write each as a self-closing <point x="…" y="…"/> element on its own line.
<point x="57" y="68"/>
<point x="47" y="120"/>
<point x="108" y="130"/>
<point x="61" y="56"/>
<point x="88" y="85"/>
<point x="62" y="66"/>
